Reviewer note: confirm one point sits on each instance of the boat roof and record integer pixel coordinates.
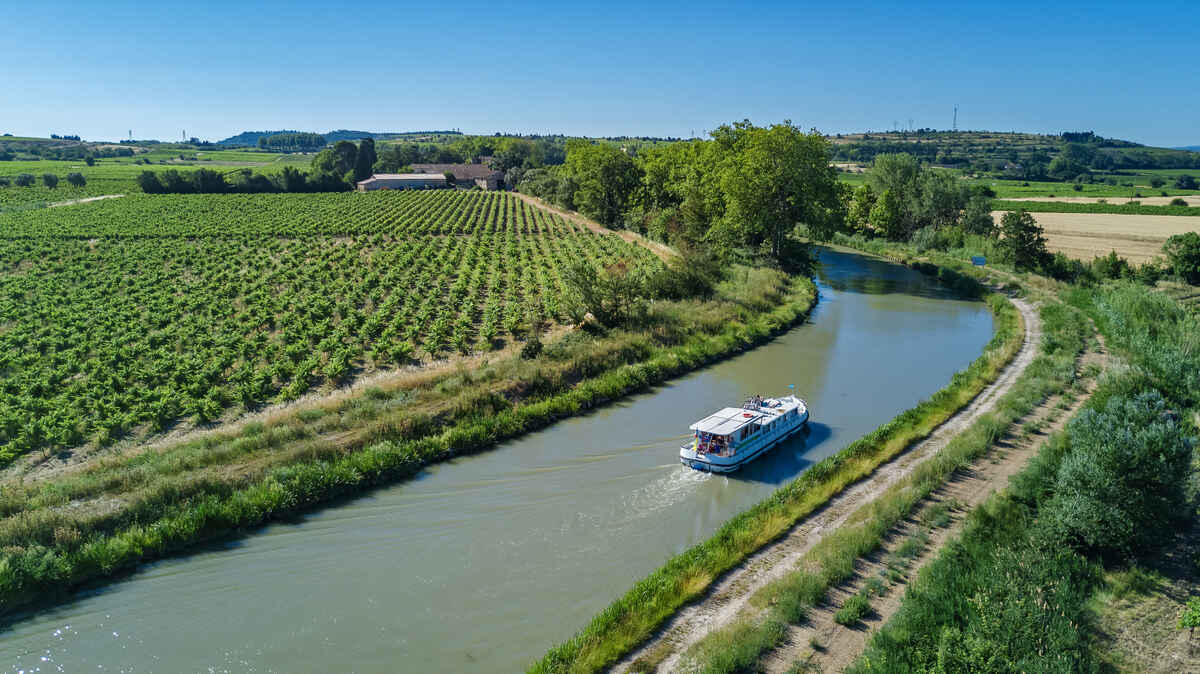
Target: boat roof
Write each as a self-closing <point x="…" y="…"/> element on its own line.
<point x="726" y="421"/>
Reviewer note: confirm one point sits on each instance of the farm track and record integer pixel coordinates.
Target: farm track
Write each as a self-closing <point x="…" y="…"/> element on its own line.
<point x="86" y="200"/>
<point x="840" y="646"/>
<point x="662" y="250"/>
<point x="728" y="596"/>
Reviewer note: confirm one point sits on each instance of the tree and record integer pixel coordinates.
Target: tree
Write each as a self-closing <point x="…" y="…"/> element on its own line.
<point x="1023" y="240"/>
<point x="50" y="180"/>
<point x="774" y="179"/>
<point x="606" y="179"/>
<point x="291" y="179"/>
<point x="612" y="295"/>
<point x="23" y="180"/>
<point x="1157" y="182"/>
<point x="90" y="160"/>
<point x="977" y="217"/>
<point x="76" y="179"/>
<point x="858" y="214"/>
<point x="364" y="161"/>
<point x="335" y="164"/>
<point x="149" y="182"/>
<point x="886" y="217"/>
<point x="1183" y="254"/>
<point x="1186" y="182"/>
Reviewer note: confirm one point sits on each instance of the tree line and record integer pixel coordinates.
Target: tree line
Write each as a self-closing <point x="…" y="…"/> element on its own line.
<point x="50" y="180"/>
<point x="335" y="169"/>
<point x="292" y="142"/>
<point x="744" y="192"/>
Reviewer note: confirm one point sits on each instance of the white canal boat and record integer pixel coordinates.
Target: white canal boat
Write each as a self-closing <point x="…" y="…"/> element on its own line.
<point x="726" y="440"/>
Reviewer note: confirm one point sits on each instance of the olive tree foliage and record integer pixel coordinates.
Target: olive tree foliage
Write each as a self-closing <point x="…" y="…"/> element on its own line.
<point x="76" y="179"/>
<point x="50" y="180"/>
<point x="1123" y="480"/>
<point x="612" y="295"/>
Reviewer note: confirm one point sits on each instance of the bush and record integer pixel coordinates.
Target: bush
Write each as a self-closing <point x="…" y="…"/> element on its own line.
<point x="532" y="348"/>
<point x="856" y="608"/>
<point x="1178" y="202"/>
<point x="1157" y="182"/>
<point x="50" y="180"/>
<point x="1186" y="182"/>
<point x="1183" y="254"/>
<point x="76" y="179"/>
<point x="1077" y="187"/>
<point x="1122" y="482"/>
<point x="24" y="180"/>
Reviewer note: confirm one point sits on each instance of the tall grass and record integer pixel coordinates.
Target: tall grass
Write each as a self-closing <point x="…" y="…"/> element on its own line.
<point x="632" y="618"/>
<point x="175" y="498"/>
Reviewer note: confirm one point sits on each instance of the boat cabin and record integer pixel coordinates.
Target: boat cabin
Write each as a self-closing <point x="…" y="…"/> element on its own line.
<point x="721" y="432"/>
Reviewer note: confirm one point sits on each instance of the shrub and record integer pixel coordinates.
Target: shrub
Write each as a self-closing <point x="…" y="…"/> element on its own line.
<point x="1183" y="254"/>
<point x="856" y="608"/>
<point x="1157" y="182"/>
<point x="76" y="179"/>
<point x="1186" y="182"/>
<point x="1077" y="187"/>
<point x="532" y="348"/>
<point x="24" y="180"/>
<point x="1178" y="202"/>
<point x="50" y="180"/>
<point x="1123" y="481"/>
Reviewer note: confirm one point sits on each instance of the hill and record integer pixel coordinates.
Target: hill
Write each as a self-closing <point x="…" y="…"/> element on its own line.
<point x="1189" y="148"/>
<point x="1024" y="155"/>
<point x="250" y="138"/>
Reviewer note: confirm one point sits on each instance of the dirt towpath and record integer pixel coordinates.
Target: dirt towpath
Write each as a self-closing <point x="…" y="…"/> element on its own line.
<point x="729" y="595"/>
<point x="662" y="250"/>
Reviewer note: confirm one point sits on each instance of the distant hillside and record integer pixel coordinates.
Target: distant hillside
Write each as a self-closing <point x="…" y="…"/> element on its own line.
<point x="250" y="138"/>
<point x="1020" y="155"/>
<point x="1189" y="148"/>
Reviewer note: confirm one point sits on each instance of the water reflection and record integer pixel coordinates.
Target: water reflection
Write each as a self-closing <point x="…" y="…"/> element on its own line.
<point x="844" y="272"/>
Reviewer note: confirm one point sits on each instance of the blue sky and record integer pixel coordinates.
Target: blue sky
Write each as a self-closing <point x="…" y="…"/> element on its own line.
<point x="217" y="68"/>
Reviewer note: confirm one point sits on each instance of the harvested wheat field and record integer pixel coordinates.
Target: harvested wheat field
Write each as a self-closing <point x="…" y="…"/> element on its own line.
<point x="1137" y="238"/>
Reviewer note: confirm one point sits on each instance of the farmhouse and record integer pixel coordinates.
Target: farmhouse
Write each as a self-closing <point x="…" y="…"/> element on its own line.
<point x="465" y="175"/>
<point x="402" y="181"/>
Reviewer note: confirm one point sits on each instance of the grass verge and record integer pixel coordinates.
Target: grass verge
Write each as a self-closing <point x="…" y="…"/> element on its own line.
<point x="632" y="618"/>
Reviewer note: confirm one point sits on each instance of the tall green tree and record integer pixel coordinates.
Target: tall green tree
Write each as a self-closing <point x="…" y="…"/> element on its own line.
<point x="1023" y="241"/>
<point x="364" y="161"/>
<point x="774" y="179"/>
<point x="606" y="177"/>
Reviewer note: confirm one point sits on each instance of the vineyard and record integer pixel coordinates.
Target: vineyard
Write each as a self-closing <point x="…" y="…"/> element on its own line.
<point x="125" y="316"/>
